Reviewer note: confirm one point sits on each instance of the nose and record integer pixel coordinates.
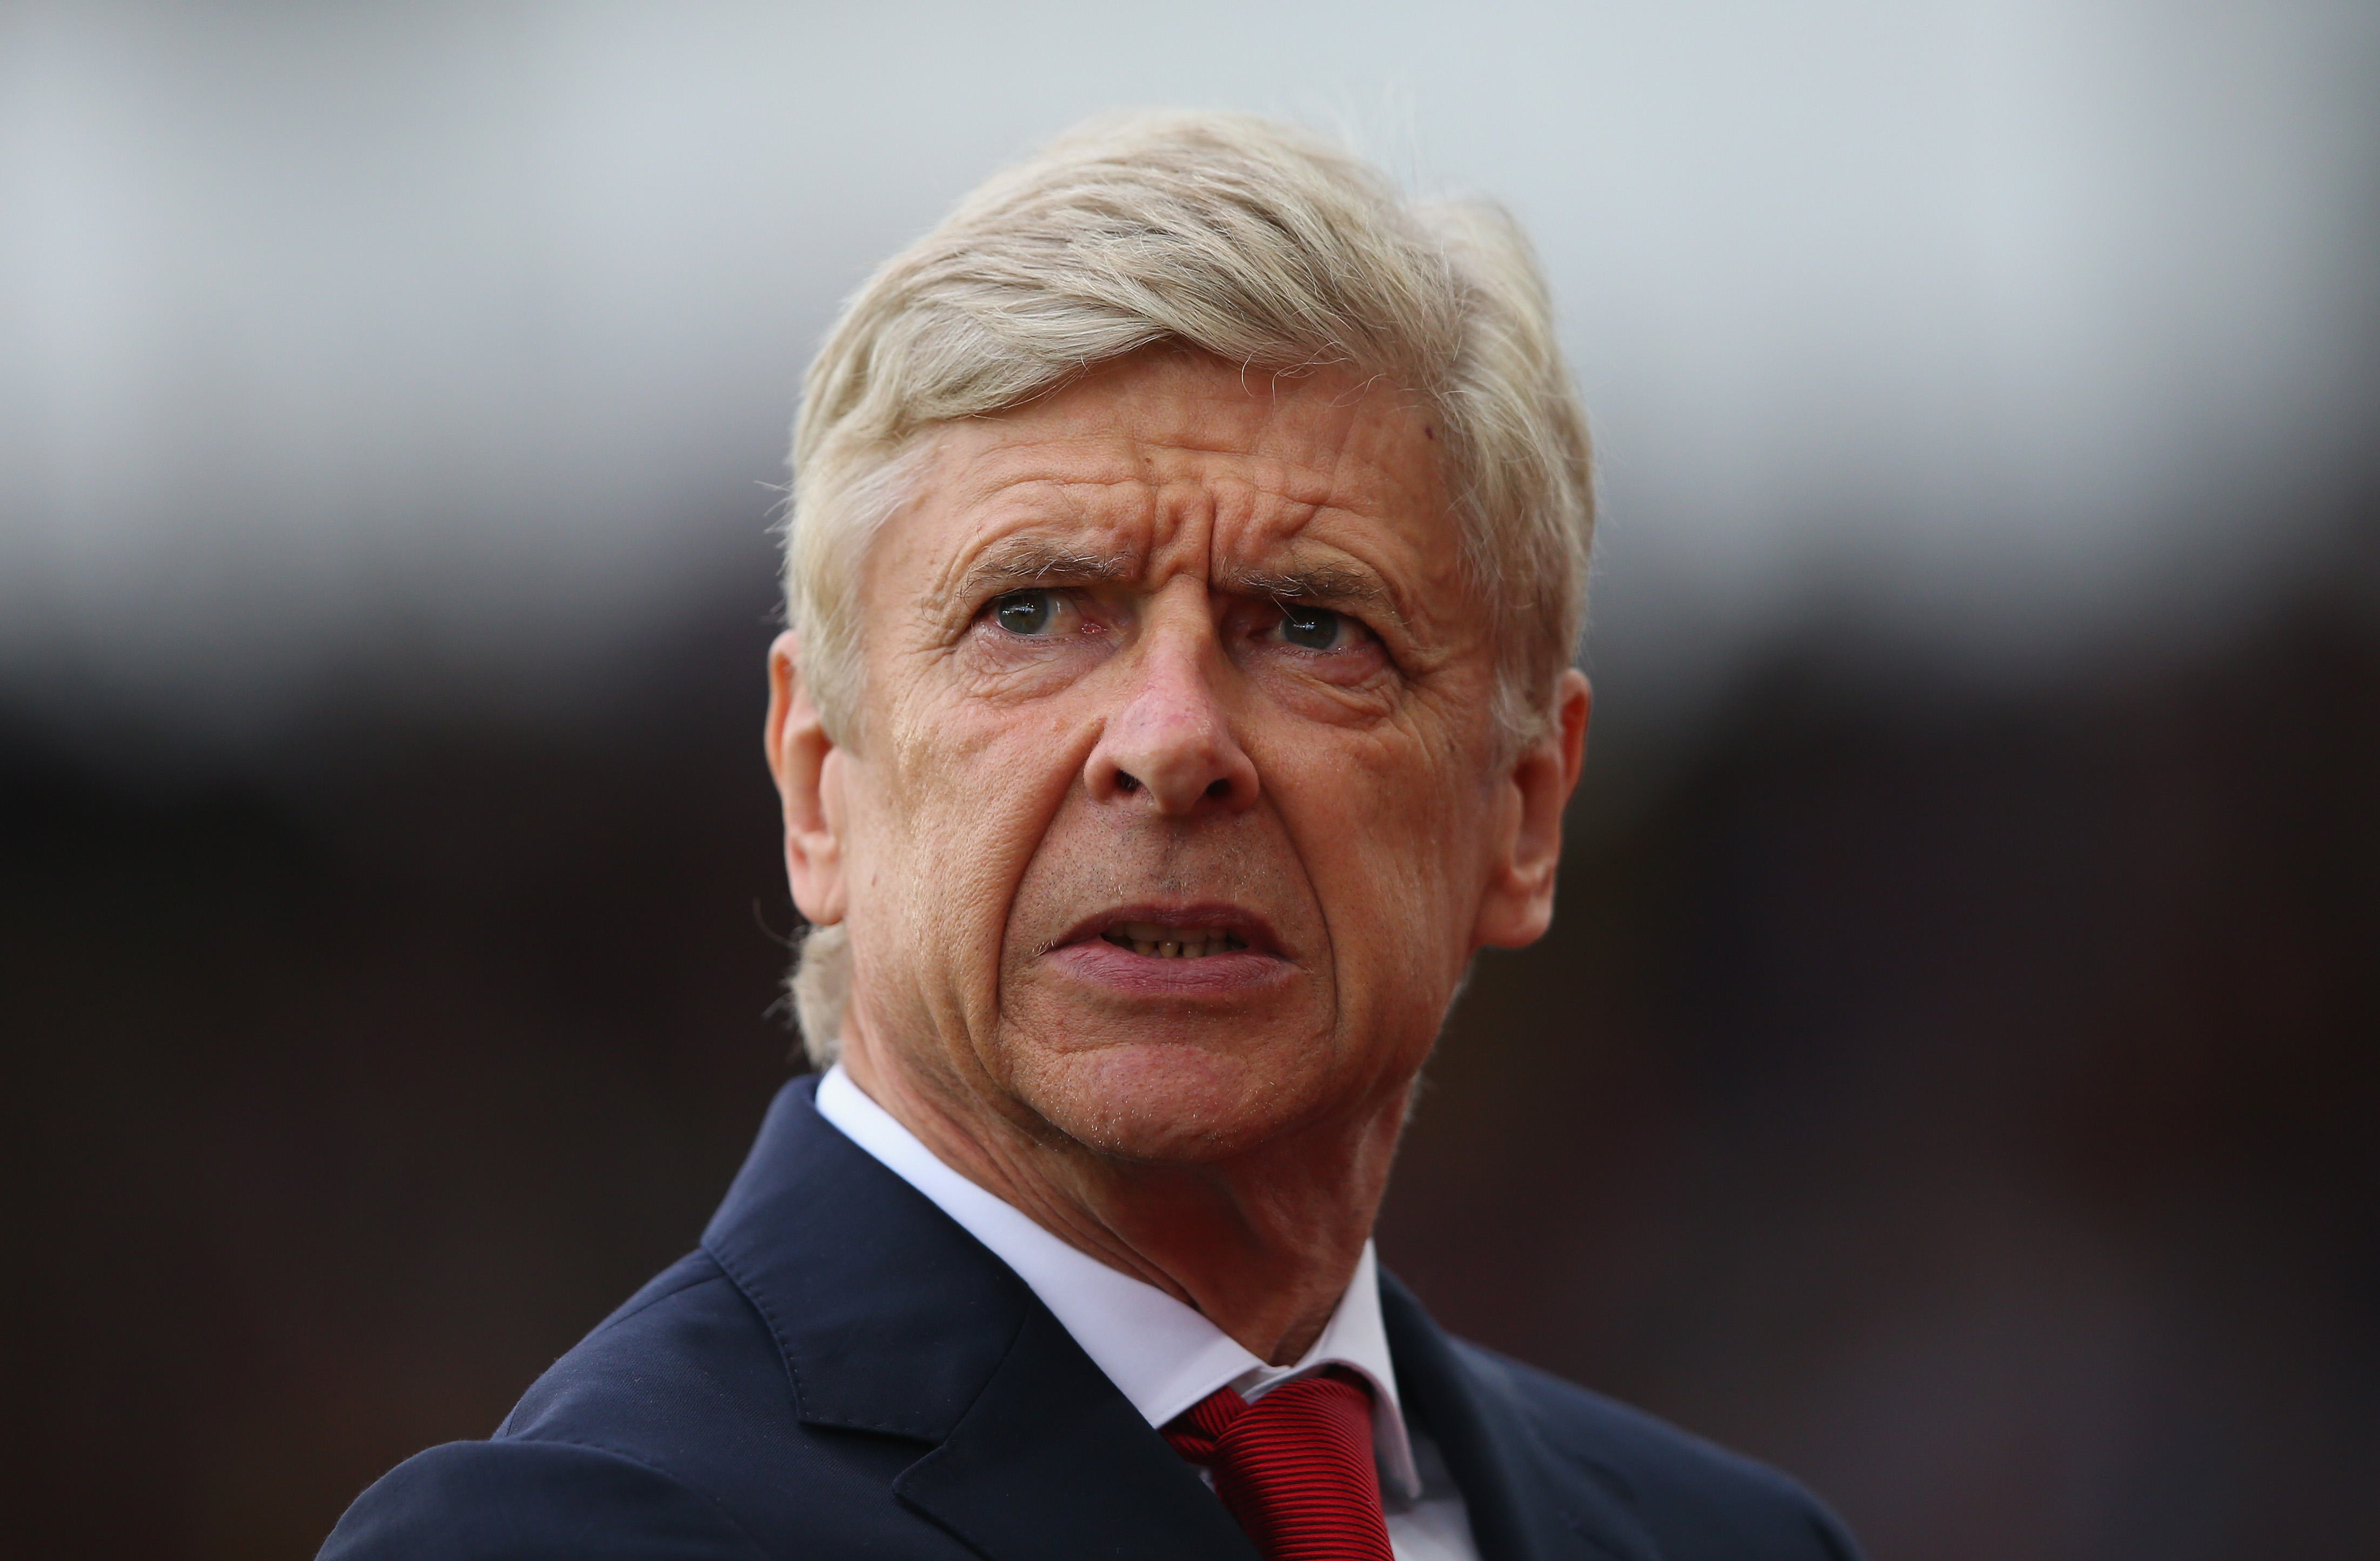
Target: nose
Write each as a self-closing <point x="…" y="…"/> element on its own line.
<point x="1170" y="739"/>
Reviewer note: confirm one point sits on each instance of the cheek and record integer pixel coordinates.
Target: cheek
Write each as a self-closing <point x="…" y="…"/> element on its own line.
<point x="1390" y="822"/>
<point x="965" y="800"/>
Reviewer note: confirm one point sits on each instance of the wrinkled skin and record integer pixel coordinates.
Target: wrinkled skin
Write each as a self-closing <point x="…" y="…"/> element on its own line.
<point x="1188" y="646"/>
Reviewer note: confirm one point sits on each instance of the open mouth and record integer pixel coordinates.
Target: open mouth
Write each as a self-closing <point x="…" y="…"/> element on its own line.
<point x="1163" y="942"/>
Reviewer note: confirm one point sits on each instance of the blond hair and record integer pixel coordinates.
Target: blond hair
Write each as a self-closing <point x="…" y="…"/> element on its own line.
<point x="1242" y="237"/>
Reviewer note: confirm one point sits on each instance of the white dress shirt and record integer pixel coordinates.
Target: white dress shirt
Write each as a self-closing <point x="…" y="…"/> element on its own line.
<point x="1164" y="1355"/>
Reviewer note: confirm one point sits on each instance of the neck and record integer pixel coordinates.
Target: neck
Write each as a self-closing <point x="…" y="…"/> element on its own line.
<point x="1263" y="1244"/>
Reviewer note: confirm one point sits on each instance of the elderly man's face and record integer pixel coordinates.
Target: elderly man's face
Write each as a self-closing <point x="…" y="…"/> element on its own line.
<point x="1174" y="807"/>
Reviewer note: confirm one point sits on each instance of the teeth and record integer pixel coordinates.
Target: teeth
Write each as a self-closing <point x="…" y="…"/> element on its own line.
<point x="1162" y="942"/>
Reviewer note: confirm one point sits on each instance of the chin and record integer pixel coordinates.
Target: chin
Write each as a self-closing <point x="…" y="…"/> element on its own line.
<point x="1172" y="1102"/>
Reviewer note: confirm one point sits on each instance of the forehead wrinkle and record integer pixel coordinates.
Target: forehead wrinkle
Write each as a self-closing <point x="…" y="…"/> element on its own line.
<point x="1276" y="479"/>
<point x="1014" y="515"/>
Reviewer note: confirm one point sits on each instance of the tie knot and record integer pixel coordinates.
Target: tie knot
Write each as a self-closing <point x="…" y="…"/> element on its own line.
<point x="1294" y="1468"/>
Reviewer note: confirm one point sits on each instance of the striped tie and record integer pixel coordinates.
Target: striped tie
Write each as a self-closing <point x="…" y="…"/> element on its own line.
<point x="1294" y="1468"/>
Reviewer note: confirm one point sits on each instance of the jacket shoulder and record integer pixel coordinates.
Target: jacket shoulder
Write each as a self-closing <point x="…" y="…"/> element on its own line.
<point x="631" y="1443"/>
<point x="1698" y="1501"/>
<point x="685" y="1362"/>
<point x="533" y="1501"/>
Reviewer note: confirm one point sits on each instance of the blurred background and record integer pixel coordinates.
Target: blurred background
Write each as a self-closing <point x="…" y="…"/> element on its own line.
<point x="1954" y="1076"/>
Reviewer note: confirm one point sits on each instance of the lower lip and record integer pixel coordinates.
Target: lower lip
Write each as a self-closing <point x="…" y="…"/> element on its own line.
<point x="1229" y="974"/>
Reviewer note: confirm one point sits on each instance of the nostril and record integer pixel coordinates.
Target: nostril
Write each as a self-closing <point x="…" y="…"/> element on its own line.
<point x="1219" y="789"/>
<point x="1127" y="782"/>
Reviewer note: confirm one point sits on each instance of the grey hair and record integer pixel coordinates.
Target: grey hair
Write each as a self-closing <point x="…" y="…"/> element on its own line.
<point x="1237" y="236"/>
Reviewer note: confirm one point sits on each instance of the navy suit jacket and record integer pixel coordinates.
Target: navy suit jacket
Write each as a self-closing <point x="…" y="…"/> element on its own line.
<point x="840" y="1370"/>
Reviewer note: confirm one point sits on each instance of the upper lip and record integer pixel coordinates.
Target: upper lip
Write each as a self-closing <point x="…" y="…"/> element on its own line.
<point x="1206" y="915"/>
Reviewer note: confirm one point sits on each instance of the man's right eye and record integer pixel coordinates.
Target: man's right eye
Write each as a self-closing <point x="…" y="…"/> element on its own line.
<point x="1025" y="612"/>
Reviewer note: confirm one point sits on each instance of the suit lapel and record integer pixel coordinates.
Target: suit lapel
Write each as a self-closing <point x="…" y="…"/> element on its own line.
<point x="892" y="1320"/>
<point x="890" y="1317"/>
<point x="1052" y="1460"/>
<point x="1525" y="1502"/>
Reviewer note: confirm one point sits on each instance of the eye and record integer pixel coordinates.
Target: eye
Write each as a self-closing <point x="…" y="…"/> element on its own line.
<point x="1025" y="612"/>
<point x="1313" y="628"/>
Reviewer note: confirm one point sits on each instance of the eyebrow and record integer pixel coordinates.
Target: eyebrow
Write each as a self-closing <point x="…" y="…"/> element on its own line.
<point x="1320" y="583"/>
<point x="1033" y="561"/>
<point x="1038" y="561"/>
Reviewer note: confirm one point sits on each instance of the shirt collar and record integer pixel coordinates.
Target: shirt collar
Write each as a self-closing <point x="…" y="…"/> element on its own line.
<point x="1161" y="1355"/>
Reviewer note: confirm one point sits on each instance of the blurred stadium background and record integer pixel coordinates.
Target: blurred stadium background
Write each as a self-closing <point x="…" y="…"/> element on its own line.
<point x="1953" y="1076"/>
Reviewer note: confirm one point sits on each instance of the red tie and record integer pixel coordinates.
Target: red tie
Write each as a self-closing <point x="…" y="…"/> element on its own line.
<point x="1294" y="1468"/>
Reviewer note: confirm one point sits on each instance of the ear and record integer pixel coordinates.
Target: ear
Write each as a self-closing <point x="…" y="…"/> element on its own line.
<point x="808" y="768"/>
<point x="1519" y="904"/>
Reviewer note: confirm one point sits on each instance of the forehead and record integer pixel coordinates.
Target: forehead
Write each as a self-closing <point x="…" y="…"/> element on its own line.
<point x="1171" y="460"/>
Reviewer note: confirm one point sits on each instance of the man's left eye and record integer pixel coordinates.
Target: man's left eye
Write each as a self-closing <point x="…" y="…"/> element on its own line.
<point x="1313" y="628"/>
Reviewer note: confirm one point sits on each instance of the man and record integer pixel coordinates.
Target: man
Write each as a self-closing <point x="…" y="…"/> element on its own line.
<point x="1187" y="562"/>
